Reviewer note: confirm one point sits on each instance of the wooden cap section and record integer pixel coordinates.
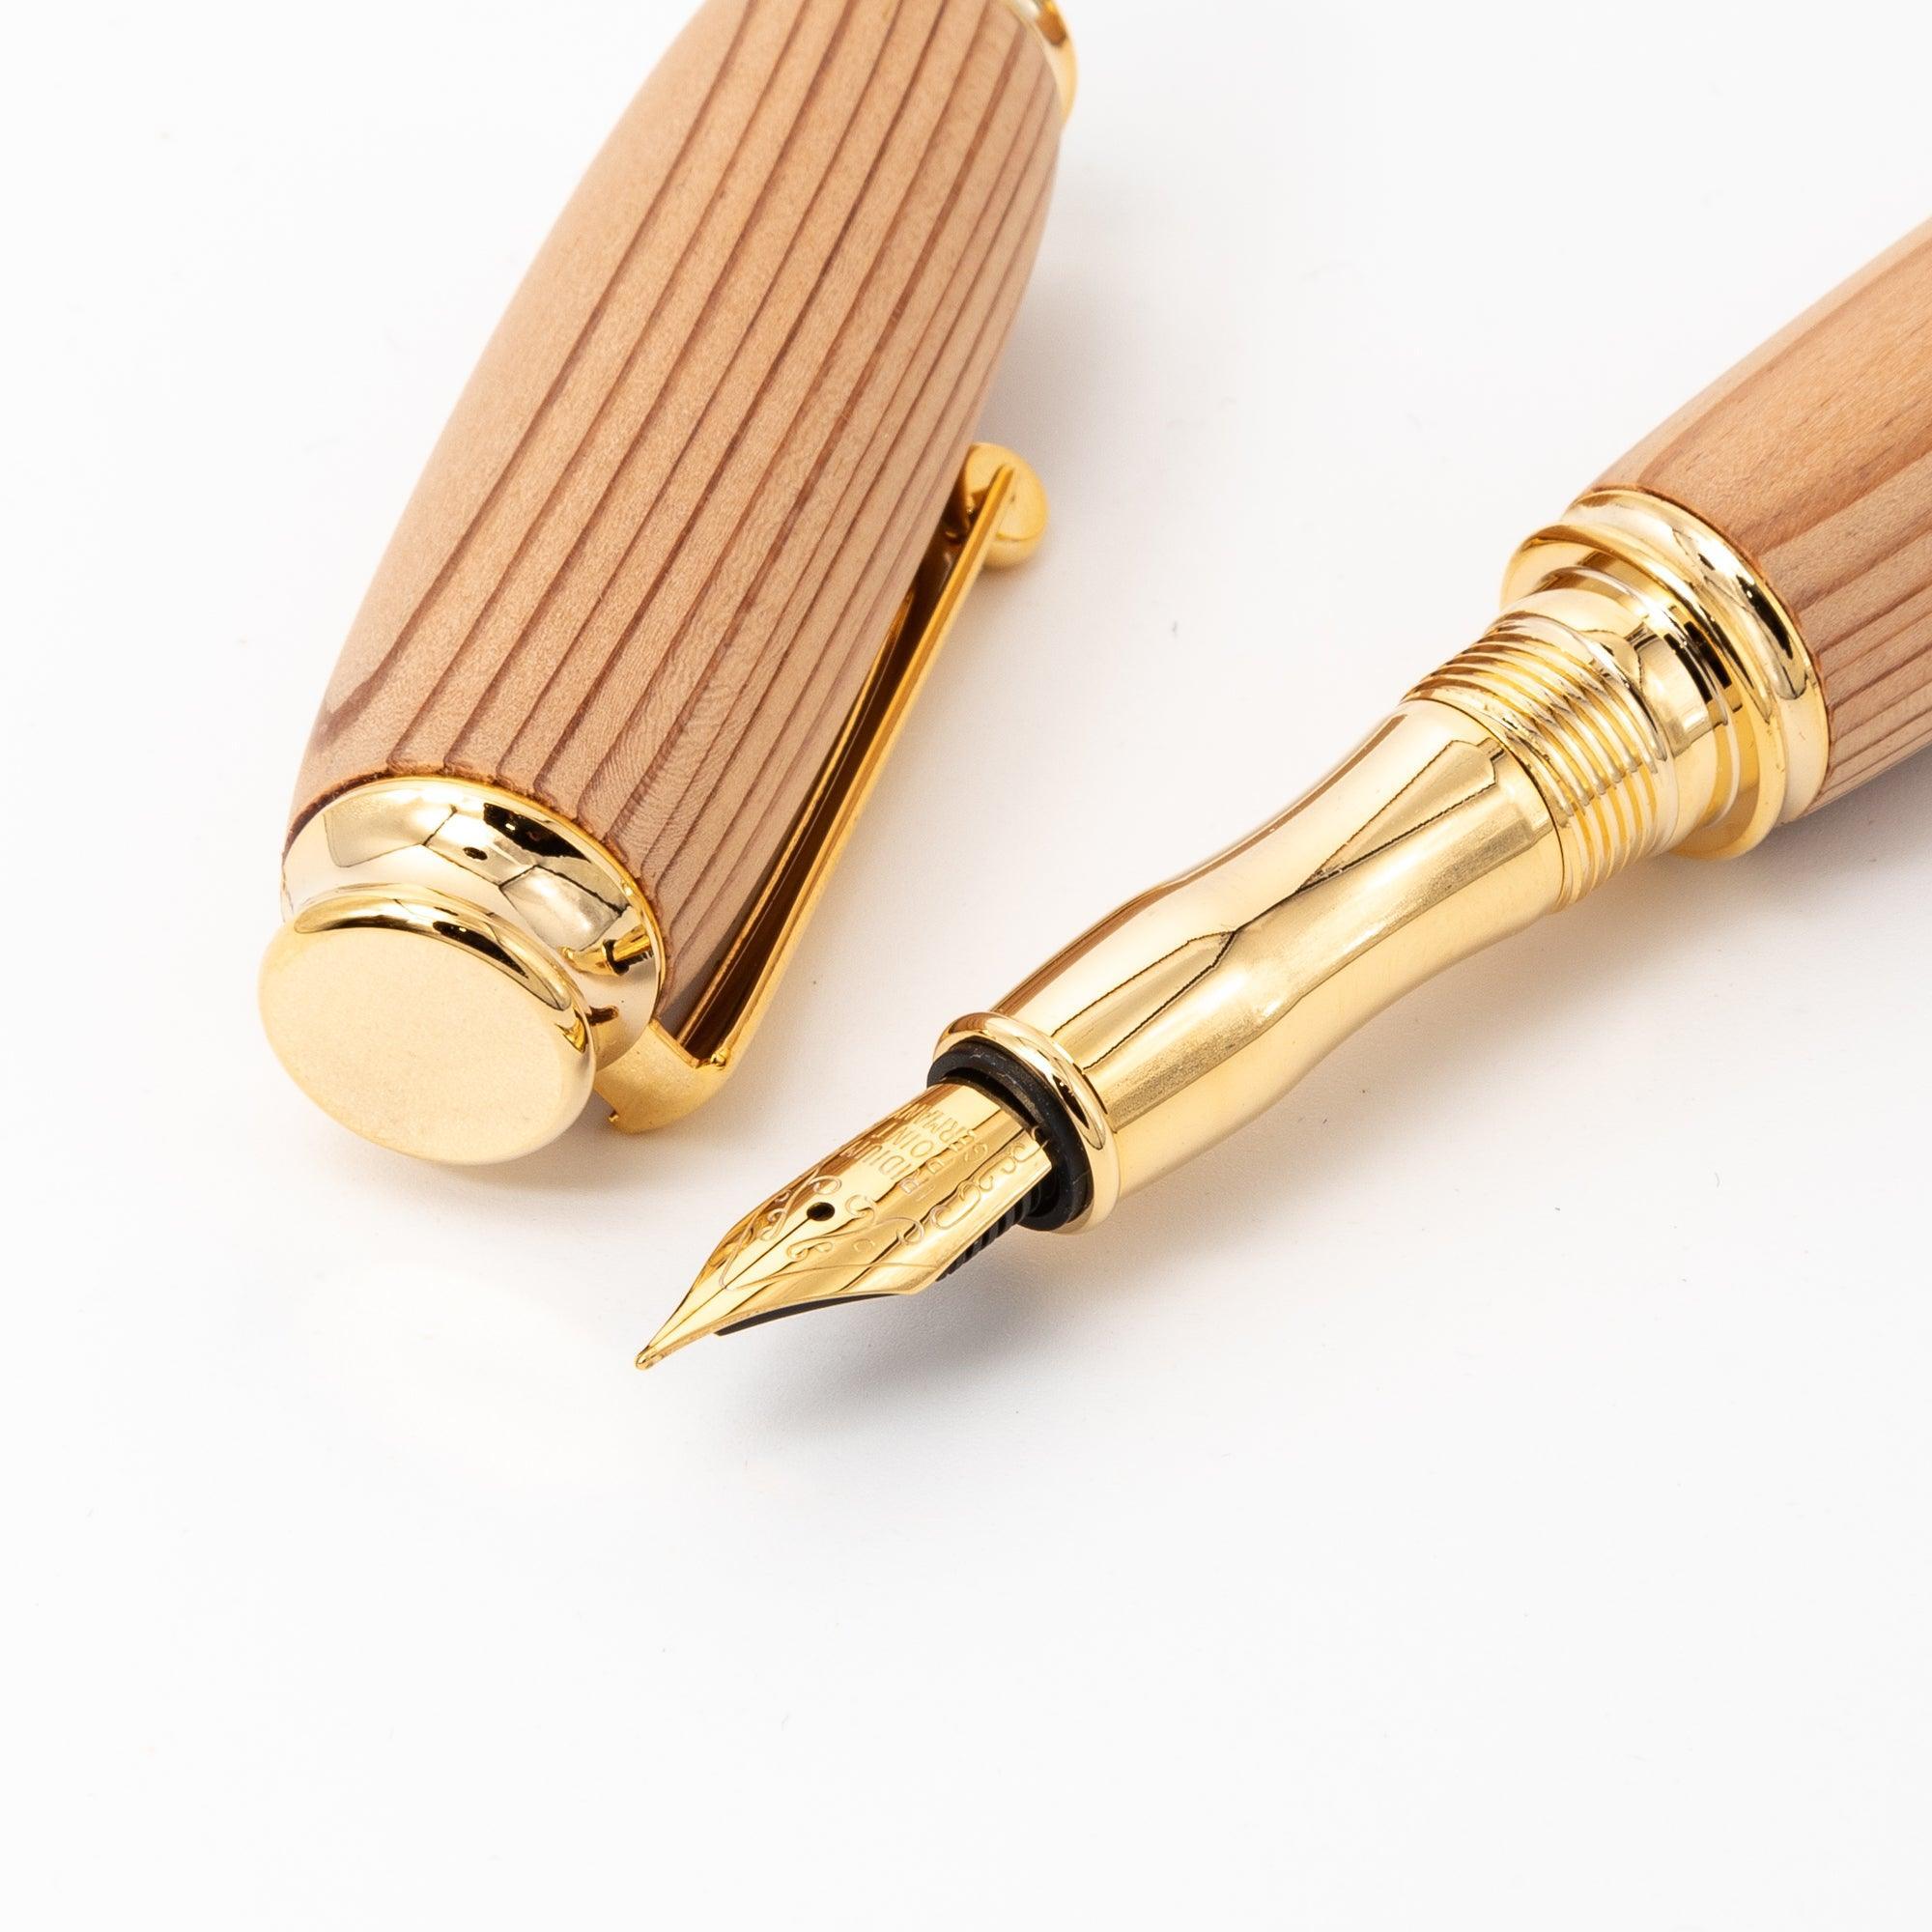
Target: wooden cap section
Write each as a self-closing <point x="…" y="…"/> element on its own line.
<point x="666" y="530"/>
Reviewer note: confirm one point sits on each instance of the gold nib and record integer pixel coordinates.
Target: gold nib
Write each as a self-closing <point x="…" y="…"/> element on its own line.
<point x="888" y="1213"/>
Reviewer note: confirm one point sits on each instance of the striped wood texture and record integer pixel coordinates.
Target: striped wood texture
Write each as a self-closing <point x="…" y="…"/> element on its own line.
<point x="663" y="534"/>
<point x="1815" y="458"/>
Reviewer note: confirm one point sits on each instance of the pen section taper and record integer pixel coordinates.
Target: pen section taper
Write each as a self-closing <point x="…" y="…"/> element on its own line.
<point x="1659" y="680"/>
<point x="1643" y="691"/>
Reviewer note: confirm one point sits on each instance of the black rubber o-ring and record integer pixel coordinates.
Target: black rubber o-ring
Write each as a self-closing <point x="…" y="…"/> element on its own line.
<point x="1070" y="1192"/>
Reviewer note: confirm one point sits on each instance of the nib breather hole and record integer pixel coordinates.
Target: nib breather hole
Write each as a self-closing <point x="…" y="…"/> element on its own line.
<point x="820" y="1211"/>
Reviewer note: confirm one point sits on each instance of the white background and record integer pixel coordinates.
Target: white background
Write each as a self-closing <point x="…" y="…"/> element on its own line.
<point x="1493" y="1492"/>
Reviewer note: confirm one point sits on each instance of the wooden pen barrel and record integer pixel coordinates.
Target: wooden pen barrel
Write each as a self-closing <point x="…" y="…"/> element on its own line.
<point x="659" y="545"/>
<point x="1815" y="458"/>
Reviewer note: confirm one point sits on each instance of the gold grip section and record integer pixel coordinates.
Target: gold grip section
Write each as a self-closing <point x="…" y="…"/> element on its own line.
<point x="1196" y="1007"/>
<point x="1643" y="692"/>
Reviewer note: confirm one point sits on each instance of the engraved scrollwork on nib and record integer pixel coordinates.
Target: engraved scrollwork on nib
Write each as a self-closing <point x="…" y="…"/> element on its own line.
<point x="889" y="1214"/>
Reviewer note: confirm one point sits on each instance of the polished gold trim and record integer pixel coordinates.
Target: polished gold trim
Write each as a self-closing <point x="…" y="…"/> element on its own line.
<point x="1643" y="692"/>
<point x="1045" y="18"/>
<point x="457" y="966"/>
<point x="1718" y="617"/>
<point x="1049" y="1060"/>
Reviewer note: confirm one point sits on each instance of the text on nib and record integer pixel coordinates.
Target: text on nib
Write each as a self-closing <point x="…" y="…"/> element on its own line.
<point x="889" y="1214"/>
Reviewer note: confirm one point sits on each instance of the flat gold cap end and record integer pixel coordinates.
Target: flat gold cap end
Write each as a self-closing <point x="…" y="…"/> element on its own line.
<point x="458" y="967"/>
<point x="427" y="1027"/>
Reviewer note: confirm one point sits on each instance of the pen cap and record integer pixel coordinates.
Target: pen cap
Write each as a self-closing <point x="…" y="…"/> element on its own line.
<point x="675" y="566"/>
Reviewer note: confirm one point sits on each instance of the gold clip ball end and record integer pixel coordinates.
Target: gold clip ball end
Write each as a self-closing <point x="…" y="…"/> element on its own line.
<point x="1044" y="18"/>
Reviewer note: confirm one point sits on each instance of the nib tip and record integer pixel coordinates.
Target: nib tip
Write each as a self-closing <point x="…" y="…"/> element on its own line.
<point x="664" y="1343"/>
<point x="890" y="1213"/>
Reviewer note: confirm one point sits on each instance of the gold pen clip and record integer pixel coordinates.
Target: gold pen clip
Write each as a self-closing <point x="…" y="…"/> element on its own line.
<point x="995" y="519"/>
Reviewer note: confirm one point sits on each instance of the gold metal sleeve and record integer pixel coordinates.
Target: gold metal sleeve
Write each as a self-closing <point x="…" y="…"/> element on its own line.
<point x="1643" y="692"/>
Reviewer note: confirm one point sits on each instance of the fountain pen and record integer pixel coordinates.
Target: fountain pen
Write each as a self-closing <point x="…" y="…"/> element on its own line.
<point x="1733" y="627"/>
